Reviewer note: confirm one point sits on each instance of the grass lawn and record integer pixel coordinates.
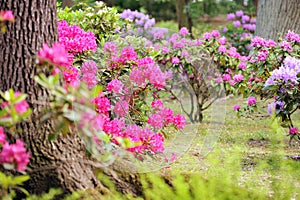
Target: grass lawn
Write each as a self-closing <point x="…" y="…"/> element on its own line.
<point x="252" y="154"/>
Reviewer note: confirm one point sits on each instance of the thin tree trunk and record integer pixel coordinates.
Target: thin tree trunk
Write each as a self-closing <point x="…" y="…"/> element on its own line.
<point x="61" y="163"/>
<point x="183" y="18"/>
<point x="277" y="17"/>
<point x="67" y="3"/>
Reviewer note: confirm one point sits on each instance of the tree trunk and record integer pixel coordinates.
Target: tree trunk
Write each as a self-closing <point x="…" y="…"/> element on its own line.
<point x="61" y="163"/>
<point x="183" y="18"/>
<point x="277" y="17"/>
<point x="67" y="3"/>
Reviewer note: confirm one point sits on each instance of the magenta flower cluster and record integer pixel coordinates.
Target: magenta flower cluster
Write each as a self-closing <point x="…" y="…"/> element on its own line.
<point x="164" y="116"/>
<point x="15" y="154"/>
<point x="74" y="39"/>
<point x="6" y="15"/>
<point x="89" y="73"/>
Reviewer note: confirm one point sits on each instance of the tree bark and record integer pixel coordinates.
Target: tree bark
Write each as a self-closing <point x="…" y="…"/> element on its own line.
<point x="61" y="163"/>
<point x="67" y="3"/>
<point x="183" y="18"/>
<point x="277" y="17"/>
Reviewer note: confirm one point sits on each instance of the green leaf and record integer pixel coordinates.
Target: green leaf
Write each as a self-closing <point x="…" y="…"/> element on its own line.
<point x="20" y="179"/>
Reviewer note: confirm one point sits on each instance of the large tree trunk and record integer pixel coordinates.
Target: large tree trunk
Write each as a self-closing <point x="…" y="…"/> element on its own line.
<point x="183" y="18"/>
<point x="277" y="16"/>
<point x="61" y="163"/>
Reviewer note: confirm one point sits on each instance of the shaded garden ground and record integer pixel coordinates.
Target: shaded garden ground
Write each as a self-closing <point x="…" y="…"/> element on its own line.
<point x="253" y="152"/>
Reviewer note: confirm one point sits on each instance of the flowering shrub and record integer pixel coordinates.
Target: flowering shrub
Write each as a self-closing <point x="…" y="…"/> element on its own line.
<point x="14" y="108"/>
<point x="240" y="32"/>
<point x="273" y="73"/>
<point x="130" y="97"/>
<point x="121" y="111"/>
<point x="209" y="65"/>
<point x="142" y="22"/>
<point x="103" y="21"/>
<point x="74" y="39"/>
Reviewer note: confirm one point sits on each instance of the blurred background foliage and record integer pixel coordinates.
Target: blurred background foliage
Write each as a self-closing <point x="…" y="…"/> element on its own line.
<point x="164" y="10"/>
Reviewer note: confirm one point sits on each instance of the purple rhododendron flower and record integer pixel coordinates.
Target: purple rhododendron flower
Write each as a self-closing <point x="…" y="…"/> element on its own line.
<point x="231" y="16"/>
<point x="183" y="31"/>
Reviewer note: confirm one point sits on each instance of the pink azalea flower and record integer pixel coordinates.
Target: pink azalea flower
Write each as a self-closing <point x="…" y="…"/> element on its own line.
<point x="103" y="105"/>
<point x="2" y="135"/>
<point x="293" y="131"/>
<point x="222" y="49"/>
<point x="15" y="154"/>
<point x="90" y="79"/>
<point x="242" y="65"/>
<point x="115" y="86"/>
<point x="156" y="121"/>
<point x="251" y="100"/>
<point x="121" y="108"/>
<point x="179" y="121"/>
<point x="89" y="67"/>
<point x="75" y="39"/>
<point x="222" y="40"/>
<point x="231" y="16"/>
<point x="114" y="127"/>
<point x="183" y="31"/>
<point x="128" y="53"/>
<point x="215" y="33"/>
<point x="291" y="36"/>
<point x="238" y="78"/>
<point x="157" y="104"/>
<point x="207" y="36"/>
<point x="57" y="55"/>
<point x="226" y="77"/>
<point x="236" y="107"/>
<point x="6" y="16"/>
<point x="175" y="60"/>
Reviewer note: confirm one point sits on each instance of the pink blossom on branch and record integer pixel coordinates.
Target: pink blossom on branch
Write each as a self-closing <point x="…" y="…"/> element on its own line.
<point x="251" y="101"/>
<point x="183" y="31"/>
<point x="6" y="15"/>
<point x="236" y="107"/>
<point x="75" y="39"/>
<point x="156" y="121"/>
<point x="102" y="105"/>
<point x="215" y="33"/>
<point x="57" y="55"/>
<point x="157" y="104"/>
<point x="121" y="108"/>
<point x="2" y="136"/>
<point x="179" y="121"/>
<point x="293" y="131"/>
<point x="115" y="86"/>
<point x="15" y="154"/>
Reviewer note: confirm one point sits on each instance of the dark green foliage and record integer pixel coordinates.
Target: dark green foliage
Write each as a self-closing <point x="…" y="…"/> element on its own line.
<point x="100" y="19"/>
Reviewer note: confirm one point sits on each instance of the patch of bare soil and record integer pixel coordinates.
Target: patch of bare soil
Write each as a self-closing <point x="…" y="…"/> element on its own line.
<point x="261" y="142"/>
<point x="215" y="21"/>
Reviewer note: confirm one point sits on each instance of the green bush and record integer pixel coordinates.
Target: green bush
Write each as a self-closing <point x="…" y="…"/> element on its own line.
<point x="103" y="21"/>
